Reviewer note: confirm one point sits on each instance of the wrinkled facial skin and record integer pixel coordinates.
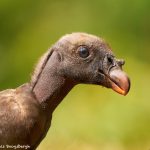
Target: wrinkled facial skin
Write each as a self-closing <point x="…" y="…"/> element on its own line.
<point x="88" y="59"/>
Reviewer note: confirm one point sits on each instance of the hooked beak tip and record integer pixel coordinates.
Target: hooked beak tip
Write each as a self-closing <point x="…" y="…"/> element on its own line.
<point x="120" y="82"/>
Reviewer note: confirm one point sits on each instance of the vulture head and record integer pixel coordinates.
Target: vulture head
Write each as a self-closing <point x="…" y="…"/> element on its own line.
<point x="88" y="59"/>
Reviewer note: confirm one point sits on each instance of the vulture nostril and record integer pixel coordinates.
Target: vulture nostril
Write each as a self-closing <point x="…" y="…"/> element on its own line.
<point x="110" y="60"/>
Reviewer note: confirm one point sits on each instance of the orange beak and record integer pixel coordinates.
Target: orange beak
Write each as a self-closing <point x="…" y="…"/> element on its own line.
<point x="119" y="81"/>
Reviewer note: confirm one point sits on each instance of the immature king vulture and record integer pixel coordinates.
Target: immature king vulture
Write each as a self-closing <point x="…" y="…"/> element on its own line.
<point x="26" y="112"/>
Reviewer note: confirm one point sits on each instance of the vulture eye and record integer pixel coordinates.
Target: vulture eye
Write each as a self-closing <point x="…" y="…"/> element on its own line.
<point x="83" y="52"/>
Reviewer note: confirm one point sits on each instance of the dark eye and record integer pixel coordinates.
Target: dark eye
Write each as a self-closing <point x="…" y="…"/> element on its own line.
<point x="83" y="52"/>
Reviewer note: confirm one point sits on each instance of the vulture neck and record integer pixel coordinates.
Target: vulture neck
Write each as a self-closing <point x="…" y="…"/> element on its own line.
<point x="49" y="87"/>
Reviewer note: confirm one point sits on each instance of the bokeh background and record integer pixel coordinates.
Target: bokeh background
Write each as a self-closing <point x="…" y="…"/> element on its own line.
<point x="90" y="117"/>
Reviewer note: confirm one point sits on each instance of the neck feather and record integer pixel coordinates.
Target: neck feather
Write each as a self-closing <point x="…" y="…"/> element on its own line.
<point x="48" y="86"/>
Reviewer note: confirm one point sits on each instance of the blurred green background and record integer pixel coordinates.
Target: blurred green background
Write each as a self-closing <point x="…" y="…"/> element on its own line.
<point x="90" y="117"/>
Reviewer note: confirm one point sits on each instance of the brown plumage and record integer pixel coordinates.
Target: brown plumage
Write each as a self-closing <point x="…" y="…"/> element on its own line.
<point x="26" y="112"/>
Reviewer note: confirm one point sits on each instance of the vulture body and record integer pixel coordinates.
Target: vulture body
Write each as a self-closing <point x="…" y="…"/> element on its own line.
<point x="23" y="120"/>
<point x="26" y="112"/>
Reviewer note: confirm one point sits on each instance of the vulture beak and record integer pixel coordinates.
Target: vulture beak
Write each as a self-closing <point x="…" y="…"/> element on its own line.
<point x="119" y="81"/>
<point x="117" y="78"/>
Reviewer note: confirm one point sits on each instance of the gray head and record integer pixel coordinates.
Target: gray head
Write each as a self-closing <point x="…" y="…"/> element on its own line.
<point x="84" y="58"/>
